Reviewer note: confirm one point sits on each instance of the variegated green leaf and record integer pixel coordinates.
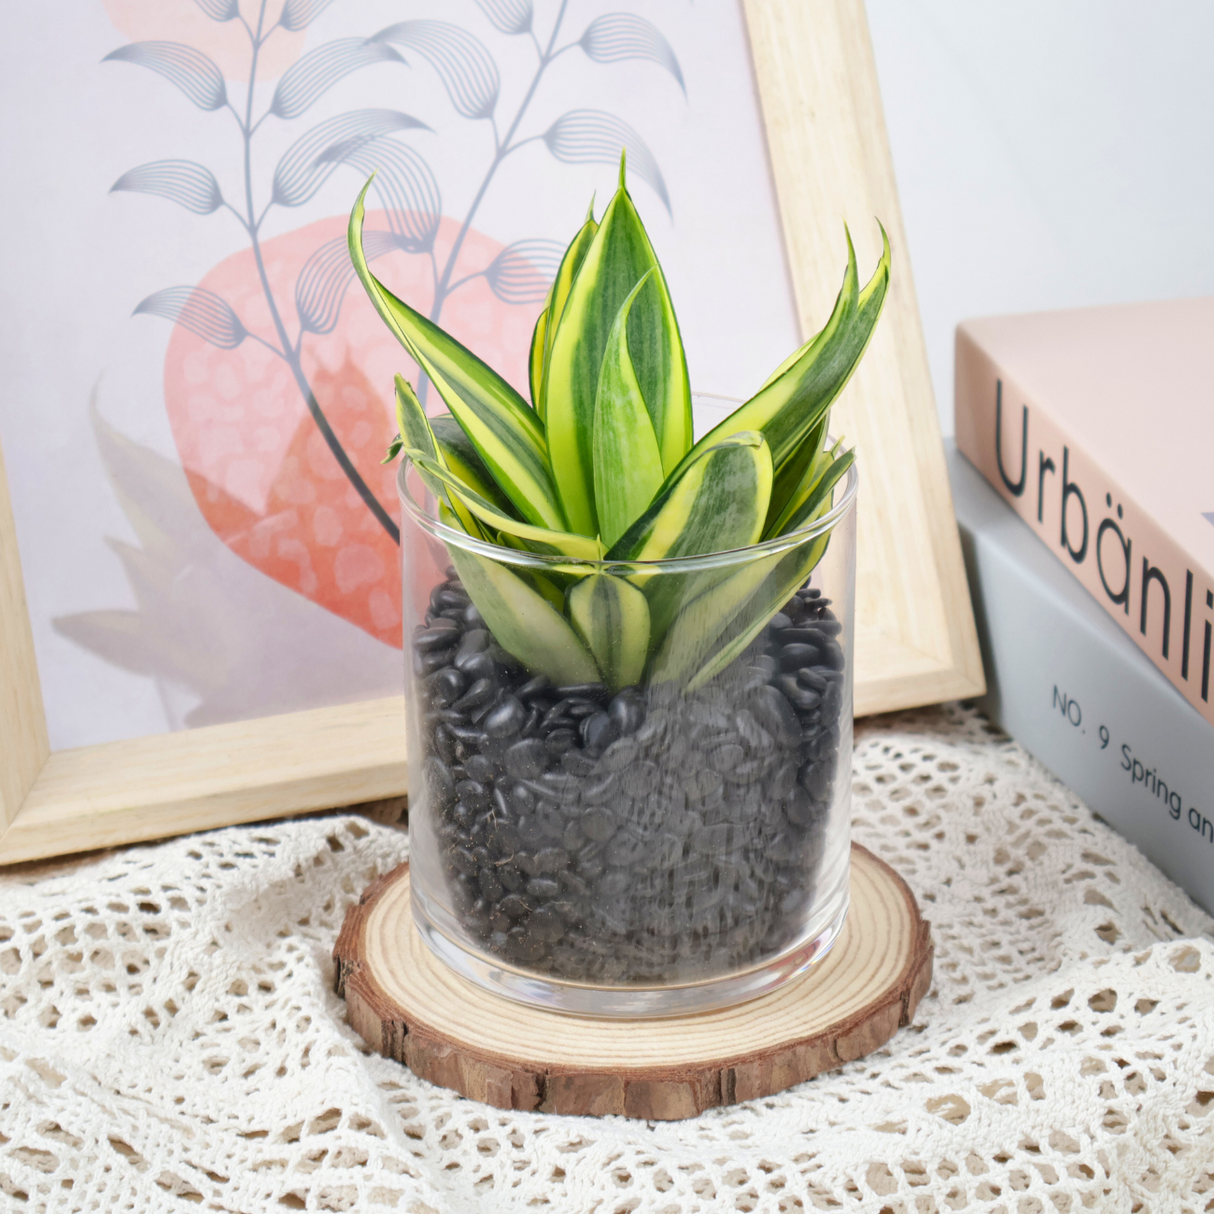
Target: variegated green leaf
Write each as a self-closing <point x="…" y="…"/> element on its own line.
<point x="718" y="503"/>
<point x="697" y="617"/>
<point x="537" y="539"/>
<point x="740" y="609"/>
<point x="411" y="420"/>
<point x="462" y="460"/>
<point x="801" y="492"/>
<point x="612" y="617"/>
<point x="417" y="437"/>
<point x="818" y="500"/>
<point x="656" y="347"/>
<point x="558" y="297"/>
<point x="627" y="461"/>
<point x="782" y="578"/>
<point x="792" y="472"/>
<point x="618" y="256"/>
<point x="507" y="434"/>
<point x="789" y="406"/>
<point x="522" y="620"/>
<point x="535" y="356"/>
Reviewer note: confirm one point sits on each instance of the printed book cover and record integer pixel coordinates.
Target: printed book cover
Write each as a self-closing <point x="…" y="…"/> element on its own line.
<point x="1080" y="697"/>
<point x="1096" y="426"/>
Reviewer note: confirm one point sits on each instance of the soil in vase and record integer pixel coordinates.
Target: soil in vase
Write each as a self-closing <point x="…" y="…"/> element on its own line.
<point x="646" y="837"/>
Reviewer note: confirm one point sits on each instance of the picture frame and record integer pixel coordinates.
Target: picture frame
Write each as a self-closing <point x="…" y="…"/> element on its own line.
<point x="915" y="637"/>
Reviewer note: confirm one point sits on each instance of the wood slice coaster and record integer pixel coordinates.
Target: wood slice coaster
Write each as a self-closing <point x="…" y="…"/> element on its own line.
<point x="405" y="1003"/>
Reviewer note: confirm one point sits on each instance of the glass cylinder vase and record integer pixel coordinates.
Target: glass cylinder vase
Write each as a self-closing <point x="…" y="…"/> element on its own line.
<point x="629" y="783"/>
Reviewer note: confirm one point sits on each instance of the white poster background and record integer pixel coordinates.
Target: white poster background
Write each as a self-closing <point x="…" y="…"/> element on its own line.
<point x="105" y="520"/>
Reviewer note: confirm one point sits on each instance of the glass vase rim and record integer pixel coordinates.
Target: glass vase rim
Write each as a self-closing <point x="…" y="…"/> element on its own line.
<point x="844" y="503"/>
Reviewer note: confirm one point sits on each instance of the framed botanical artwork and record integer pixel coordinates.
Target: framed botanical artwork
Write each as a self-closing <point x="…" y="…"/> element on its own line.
<point x="200" y="592"/>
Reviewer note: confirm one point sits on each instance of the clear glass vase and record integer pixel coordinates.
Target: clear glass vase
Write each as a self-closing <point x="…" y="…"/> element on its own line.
<point x="634" y="823"/>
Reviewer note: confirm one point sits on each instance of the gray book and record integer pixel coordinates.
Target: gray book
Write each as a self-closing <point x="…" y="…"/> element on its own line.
<point x="1067" y="683"/>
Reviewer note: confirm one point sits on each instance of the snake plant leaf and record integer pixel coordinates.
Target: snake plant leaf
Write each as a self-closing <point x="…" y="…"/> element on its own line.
<point x="703" y="612"/>
<point x="558" y="297"/>
<point x="627" y="461"/>
<point x="461" y="459"/>
<point x="416" y="437"/>
<point x="801" y="493"/>
<point x="522" y="620"/>
<point x="535" y="356"/>
<point x="788" y="408"/>
<point x="718" y="503"/>
<point x="656" y="347"/>
<point x="618" y="257"/>
<point x="790" y="475"/>
<point x="817" y="501"/>
<point x="612" y="617"/>
<point x="505" y="432"/>
<point x="537" y="539"/>
<point x="774" y="589"/>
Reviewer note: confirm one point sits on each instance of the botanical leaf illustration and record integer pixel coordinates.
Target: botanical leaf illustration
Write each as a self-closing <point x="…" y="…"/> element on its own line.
<point x="594" y="137"/>
<point x="509" y="16"/>
<point x="202" y="312"/>
<point x="299" y="14"/>
<point x="191" y="185"/>
<point x="405" y="186"/>
<point x="616" y="36"/>
<point x="522" y="272"/>
<point x="310" y="161"/>
<point x="467" y="70"/>
<point x="305" y="80"/>
<point x="612" y="617"/>
<point x="220" y="10"/>
<point x="190" y="70"/>
<point x="326" y="275"/>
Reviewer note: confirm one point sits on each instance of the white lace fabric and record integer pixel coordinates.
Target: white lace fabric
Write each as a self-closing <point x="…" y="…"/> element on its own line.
<point x="170" y="1040"/>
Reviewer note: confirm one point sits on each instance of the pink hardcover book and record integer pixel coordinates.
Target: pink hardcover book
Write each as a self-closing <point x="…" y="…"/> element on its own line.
<point x="1097" y="427"/>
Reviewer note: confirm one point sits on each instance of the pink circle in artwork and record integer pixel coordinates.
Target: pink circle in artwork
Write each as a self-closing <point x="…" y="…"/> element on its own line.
<point x="262" y="473"/>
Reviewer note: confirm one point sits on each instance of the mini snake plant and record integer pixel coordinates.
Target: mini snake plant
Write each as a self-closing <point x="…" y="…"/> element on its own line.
<point x="600" y="474"/>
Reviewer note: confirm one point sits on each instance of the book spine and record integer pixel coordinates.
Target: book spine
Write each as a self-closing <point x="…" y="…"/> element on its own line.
<point x="1160" y="597"/>
<point x="1073" y="691"/>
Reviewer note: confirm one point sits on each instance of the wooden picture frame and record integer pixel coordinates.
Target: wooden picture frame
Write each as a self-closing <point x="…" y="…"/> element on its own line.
<point x="915" y="637"/>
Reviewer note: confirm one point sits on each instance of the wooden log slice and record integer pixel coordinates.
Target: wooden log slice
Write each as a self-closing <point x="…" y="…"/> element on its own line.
<point x="405" y="1003"/>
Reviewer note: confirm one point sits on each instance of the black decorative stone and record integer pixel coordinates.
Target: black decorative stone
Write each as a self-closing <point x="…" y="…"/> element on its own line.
<point x="636" y="836"/>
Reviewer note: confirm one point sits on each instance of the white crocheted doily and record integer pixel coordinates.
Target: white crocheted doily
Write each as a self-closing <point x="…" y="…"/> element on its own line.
<point x="170" y="1038"/>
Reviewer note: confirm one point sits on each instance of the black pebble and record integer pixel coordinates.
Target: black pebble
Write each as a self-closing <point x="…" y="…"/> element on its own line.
<point x="640" y="836"/>
<point x="598" y="732"/>
<point x="440" y="635"/>
<point x="506" y="719"/>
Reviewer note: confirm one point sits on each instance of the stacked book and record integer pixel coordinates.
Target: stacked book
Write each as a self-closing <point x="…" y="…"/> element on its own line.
<point x="1086" y="506"/>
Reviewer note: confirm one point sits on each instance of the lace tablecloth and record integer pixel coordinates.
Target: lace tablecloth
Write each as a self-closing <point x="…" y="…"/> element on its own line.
<point x="170" y="1039"/>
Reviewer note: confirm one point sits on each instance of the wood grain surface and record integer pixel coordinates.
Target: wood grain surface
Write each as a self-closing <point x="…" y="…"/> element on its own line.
<point x="23" y="743"/>
<point x="817" y="81"/>
<point x="406" y="1004"/>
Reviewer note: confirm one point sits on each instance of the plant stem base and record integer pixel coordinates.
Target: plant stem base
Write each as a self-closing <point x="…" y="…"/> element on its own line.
<point x="407" y="1004"/>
